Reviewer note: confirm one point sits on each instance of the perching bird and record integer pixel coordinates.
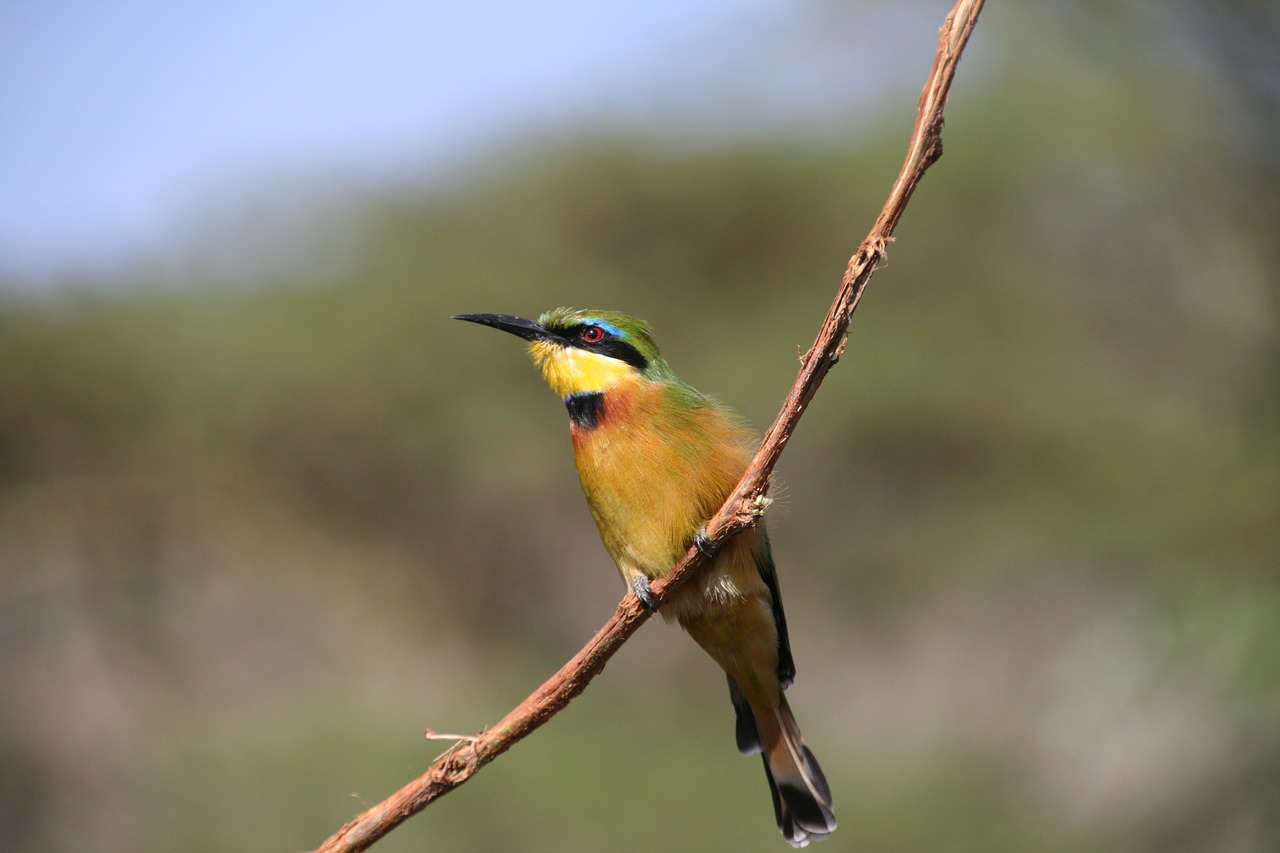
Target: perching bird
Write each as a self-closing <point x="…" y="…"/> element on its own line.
<point x="656" y="459"/>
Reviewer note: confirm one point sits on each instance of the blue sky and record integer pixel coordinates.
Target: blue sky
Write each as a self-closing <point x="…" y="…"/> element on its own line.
<point x="121" y="118"/>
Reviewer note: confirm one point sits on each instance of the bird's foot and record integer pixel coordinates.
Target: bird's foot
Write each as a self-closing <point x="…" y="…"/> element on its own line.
<point x="640" y="586"/>
<point x="703" y="543"/>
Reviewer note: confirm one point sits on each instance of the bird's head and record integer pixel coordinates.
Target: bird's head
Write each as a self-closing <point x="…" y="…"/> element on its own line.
<point x="584" y="352"/>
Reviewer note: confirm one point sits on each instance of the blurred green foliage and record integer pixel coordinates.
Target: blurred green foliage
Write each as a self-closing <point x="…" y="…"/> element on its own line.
<point x="254" y="540"/>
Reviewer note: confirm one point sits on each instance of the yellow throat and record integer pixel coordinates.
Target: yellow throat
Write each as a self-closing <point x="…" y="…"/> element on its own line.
<point x="569" y="370"/>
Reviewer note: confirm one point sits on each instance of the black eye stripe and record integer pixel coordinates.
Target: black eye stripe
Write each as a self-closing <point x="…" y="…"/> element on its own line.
<point x="621" y="350"/>
<point x="609" y="345"/>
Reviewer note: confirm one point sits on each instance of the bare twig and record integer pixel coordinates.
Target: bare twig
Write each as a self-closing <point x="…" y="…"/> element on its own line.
<point x="459" y="763"/>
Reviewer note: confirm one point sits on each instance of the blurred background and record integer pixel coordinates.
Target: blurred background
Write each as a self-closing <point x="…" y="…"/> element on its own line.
<point x="266" y="513"/>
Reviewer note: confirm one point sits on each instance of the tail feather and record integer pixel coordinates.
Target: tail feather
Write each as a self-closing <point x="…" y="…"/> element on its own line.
<point x="745" y="731"/>
<point x="795" y="833"/>
<point x="801" y="795"/>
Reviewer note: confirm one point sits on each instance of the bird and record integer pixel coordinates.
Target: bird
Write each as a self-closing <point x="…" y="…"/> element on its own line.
<point x="656" y="458"/>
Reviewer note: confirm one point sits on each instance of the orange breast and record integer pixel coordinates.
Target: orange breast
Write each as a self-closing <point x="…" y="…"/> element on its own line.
<point x="653" y="469"/>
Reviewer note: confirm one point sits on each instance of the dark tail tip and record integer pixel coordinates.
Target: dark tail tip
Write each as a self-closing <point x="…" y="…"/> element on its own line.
<point x="801" y="816"/>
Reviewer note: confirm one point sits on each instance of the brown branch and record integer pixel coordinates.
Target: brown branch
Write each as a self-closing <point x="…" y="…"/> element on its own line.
<point x="740" y="510"/>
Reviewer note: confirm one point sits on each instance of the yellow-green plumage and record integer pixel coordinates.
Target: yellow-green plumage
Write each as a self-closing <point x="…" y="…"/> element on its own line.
<point x="649" y="489"/>
<point x="656" y="459"/>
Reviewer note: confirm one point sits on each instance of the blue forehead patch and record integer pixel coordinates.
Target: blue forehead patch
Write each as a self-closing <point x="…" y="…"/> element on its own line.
<point x="607" y="326"/>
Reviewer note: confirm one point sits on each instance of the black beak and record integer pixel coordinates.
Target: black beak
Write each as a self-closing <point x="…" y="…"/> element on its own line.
<point x="518" y="326"/>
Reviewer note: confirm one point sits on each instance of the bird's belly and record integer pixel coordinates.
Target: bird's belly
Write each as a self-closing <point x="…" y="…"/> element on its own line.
<point x="722" y="585"/>
<point x="648" y="499"/>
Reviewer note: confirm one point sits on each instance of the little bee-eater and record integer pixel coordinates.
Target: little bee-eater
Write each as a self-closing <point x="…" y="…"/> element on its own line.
<point x="656" y="459"/>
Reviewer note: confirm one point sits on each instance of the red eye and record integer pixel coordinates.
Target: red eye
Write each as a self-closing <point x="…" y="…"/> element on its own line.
<point x="593" y="334"/>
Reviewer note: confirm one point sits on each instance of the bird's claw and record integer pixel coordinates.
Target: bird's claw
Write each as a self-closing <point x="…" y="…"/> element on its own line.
<point x="644" y="592"/>
<point x="703" y="543"/>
